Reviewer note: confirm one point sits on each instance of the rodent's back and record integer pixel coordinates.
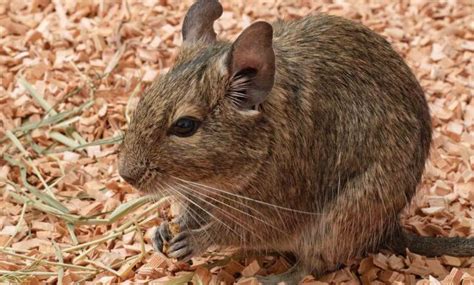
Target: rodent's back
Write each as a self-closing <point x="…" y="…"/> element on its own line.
<point x="344" y="100"/>
<point x="348" y="99"/>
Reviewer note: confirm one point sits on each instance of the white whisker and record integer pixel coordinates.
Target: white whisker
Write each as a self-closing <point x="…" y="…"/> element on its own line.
<point x="234" y="208"/>
<point x="233" y="218"/>
<point x="204" y="210"/>
<point x="249" y="199"/>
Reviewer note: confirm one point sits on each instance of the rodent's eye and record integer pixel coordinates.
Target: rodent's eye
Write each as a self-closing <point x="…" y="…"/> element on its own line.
<point x="185" y="127"/>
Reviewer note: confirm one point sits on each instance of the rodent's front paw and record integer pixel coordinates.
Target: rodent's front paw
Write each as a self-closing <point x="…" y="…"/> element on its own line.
<point x="185" y="245"/>
<point x="162" y="237"/>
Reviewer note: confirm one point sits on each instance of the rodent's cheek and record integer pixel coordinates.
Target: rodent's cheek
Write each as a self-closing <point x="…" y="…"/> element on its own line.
<point x="211" y="154"/>
<point x="182" y="157"/>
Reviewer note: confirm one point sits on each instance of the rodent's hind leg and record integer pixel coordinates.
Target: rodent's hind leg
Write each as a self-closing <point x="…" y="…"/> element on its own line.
<point x="357" y="221"/>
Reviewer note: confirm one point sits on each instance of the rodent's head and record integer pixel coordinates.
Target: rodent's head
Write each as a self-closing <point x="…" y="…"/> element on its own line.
<point x="201" y="122"/>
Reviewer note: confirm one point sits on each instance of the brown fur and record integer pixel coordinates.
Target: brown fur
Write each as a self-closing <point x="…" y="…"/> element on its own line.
<point x="343" y="136"/>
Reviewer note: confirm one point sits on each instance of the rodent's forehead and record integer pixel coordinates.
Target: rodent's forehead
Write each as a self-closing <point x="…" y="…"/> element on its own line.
<point x="174" y="95"/>
<point x="192" y="87"/>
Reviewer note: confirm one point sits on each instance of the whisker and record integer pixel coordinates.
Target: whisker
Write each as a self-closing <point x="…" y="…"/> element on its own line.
<point x="249" y="199"/>
<point x="243" y="241"/>
<point x="225" y="197"/>
<point x="197" y="217"/>
<point x="188" y="208"/>
<point x="238" y="221"/>
<point x="210" y="204"/>
<point x="193" y="214"/>
<point x="204" y="210"/>
<point x="234" y="208"/>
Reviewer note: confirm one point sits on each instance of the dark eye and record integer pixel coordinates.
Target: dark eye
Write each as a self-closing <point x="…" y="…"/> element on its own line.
<point x="185" y="127"/>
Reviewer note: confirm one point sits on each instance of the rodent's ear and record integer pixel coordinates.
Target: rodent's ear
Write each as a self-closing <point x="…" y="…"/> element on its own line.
<point x="252" y="65"/>
<point x="198" y="22"/>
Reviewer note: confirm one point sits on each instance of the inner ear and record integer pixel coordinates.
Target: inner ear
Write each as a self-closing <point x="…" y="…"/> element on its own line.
<point x="248" y="72"/>
<point x="251" y="65"/>
<point x="239" y="87"/>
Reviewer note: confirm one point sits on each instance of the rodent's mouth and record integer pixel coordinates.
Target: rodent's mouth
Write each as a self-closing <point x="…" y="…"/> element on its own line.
<point x="148" y="183"/>
<point x="157" y="184"/>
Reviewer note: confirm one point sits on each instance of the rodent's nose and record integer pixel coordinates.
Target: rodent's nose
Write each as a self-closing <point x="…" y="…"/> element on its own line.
<point x="131" y="174"/>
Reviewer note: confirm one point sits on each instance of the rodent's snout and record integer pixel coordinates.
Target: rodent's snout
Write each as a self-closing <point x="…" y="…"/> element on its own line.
<point x="131" y="174"/>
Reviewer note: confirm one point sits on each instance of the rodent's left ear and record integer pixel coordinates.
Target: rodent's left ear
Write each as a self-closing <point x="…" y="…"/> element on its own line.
<point x="198" y="22"/>
<point x="251" y="64"/>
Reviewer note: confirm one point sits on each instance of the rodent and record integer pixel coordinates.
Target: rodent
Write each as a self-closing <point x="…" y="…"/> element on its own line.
<point x="306" y="137"/>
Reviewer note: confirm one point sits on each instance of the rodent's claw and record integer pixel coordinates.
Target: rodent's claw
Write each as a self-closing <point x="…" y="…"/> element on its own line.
<point x="161" y="237"/>
<point x="184" y="254"/>
<point x="180" y="238"/>
<point x="183" y="247"/>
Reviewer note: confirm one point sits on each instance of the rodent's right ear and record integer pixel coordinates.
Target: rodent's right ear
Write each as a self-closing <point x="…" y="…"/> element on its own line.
<point x="198" y="22"/>
<point x="251" y="64"/>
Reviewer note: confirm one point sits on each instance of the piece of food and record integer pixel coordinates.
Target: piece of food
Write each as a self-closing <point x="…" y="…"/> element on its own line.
<point x="174" y="229"/>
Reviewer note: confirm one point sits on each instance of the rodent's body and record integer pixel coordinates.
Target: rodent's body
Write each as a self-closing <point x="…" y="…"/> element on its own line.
<point x="320" y="168"/>
<point x="351" y="133"/>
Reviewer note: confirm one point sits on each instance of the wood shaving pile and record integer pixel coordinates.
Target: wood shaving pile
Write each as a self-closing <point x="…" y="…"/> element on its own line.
<point x="70" y="70"/>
